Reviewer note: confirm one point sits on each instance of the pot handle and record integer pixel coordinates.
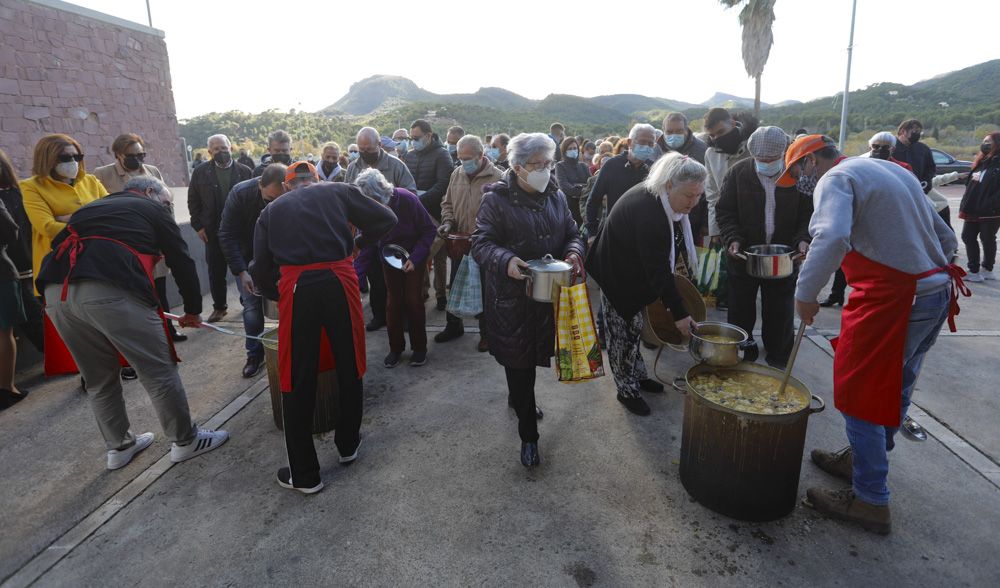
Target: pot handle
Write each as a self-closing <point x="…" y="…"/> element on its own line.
<point x="822" y="405"/>
<point x="741" y="255"/>
<point x="797" y="256"/>
<point x="745" y="345"/>
<point x="680" y="387"/>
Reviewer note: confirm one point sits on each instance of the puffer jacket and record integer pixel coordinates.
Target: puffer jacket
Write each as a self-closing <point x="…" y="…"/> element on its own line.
<point x="461" y="202"/>
<point x="431" y="168"/>
<point x="511" y="222"/>
<point x="982" y="192"/>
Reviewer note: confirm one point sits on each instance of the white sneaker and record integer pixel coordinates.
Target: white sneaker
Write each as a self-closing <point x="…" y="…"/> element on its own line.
<point x="205" y="441"/>
<point x="349" y="459"/>
<point x="119" y="458"/>
<point x="987" y="274"/>
<point x="974" y="277"/>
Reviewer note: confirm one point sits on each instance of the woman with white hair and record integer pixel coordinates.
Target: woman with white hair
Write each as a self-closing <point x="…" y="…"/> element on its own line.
<point x="523" y="217"/>
<point x="633" y="259"/>
<point x="404" y="301"/>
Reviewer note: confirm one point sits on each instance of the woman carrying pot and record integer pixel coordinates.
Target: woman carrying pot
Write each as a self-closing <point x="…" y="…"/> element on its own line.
<point x="754" y="210"/>
<point x="523" y="217"/>
<point x="404" y="298"/>
<point x="644" y="239"/>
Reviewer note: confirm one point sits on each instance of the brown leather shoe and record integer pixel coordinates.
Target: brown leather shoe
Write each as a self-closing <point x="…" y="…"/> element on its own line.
<point x="844" y="505"/>
<point x="216" y="315"/>
<point x="483" y="345"/>
<point x="836" y="463"/>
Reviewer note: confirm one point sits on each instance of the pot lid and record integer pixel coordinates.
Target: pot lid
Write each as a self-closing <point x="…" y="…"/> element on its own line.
<point x="548" y="264"/>
<point x="395" y="256"/>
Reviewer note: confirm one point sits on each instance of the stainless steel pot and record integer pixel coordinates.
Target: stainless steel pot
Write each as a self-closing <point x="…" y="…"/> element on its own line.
<point x="740" y="464"/>
<point x="770" y="262"/>
<point x="714" y="353"/>
<point x="270" y="308"/>
<point x="545" y="276"/>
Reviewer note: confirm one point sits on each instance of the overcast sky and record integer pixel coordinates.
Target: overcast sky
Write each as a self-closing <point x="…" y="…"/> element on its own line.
<point x="255" y="55"/>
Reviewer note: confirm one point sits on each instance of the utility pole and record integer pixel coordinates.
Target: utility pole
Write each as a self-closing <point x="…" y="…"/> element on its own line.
<point x="149" y="14"/>
<point x="847" y="84"/>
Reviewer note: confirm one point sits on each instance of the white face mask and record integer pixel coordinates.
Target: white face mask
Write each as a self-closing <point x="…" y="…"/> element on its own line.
<point x="68" y="169"/>
<point x="539" y="179"/>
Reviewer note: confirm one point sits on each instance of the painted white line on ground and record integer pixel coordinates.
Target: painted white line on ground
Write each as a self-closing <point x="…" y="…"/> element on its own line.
<point x="971" y="455"/>
<point x="32" y="571"/>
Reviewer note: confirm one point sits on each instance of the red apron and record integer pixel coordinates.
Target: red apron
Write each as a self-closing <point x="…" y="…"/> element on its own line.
<point x="344" y="269"/>
<point x="868" y="358"/>
<point x="58" y="359"/>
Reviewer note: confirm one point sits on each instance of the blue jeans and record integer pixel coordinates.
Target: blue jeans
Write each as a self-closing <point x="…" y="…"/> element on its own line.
<point x="253" y="320"/>
<point x="870" y="442"/>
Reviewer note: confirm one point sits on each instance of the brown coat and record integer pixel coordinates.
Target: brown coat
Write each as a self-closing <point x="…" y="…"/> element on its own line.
<point x="461" y="202"/>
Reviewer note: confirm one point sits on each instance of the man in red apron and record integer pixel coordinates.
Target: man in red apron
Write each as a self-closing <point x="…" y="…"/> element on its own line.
<point x="302" y="258"/>
<point x="100" y="295"/>
<point x="872" y="220"/>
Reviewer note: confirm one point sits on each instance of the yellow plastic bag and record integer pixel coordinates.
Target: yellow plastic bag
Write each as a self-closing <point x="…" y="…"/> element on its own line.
<point x="578" y="354"/>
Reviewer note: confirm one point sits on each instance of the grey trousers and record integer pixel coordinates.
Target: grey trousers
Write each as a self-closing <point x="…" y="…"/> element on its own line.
<point x="97" y="321"/>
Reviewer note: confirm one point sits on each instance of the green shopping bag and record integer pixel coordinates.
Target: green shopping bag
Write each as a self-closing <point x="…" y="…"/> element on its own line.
<point x="466" y="296"/>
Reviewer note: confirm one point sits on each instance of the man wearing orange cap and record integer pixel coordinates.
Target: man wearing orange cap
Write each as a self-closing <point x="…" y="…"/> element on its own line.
<point x="872" y="220"/>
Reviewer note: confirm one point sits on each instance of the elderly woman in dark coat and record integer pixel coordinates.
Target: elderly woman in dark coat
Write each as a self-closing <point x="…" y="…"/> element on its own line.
<point x="523" y="217"/>
<point x="572" y="174"/>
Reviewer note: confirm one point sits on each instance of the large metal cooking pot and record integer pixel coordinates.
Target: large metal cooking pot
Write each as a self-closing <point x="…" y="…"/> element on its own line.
<point x="770" y="262"/>
<point x="716" y="353"/>
<point x="270" y="308"/>
<point x="742" y="465"/>
<point x="327" y="389"/>
<point x="545" y="276"/>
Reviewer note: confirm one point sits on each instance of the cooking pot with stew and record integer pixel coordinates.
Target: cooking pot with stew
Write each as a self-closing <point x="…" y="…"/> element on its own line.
<point x="718" y="344"/>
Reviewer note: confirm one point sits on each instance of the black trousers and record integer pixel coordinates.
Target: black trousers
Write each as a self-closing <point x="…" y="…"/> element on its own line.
<point x="161" y="293"/>
<point x="377" y="291"/>
<point x="521" y="394"/>
<point x="32" y="329"/>
<point x="317" y="306"/>
<point x="218" y="272"/>
<point x="777" y="301"/>
<point x="839" y="285"/>
<point x="985" y="231"/>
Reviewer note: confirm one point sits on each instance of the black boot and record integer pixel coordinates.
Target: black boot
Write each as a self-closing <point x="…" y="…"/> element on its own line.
<point x="529" y="455"/>
<point x="453" y="330"/>
<point x="832" y="300"/>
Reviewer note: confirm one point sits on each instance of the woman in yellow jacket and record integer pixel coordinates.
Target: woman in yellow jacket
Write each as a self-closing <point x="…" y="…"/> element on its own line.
<point x="59" y="187"/>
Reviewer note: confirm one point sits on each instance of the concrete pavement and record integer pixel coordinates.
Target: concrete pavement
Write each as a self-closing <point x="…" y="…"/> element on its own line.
<point x="438" y="496"/>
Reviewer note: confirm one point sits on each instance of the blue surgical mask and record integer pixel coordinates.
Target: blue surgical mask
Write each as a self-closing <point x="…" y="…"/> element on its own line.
<point x="470" y="166"/>
<point x="771" y="169"/>
<point x="419" y="144"/>
<point x="642" y="152"/>
<point x="493" y="153"/>
<point x="573" y="153"/>
<point x="675" y="141"/>
<point x="402" y="145"/>
<point x="452" y="148"/>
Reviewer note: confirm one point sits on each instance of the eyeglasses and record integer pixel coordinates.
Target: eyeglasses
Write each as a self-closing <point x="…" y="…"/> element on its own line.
<point x="64" y="158"/>
<point x="539" y="166"/>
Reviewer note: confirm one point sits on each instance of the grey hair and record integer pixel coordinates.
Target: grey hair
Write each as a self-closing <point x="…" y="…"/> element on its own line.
<point x="674" y="169"/>
<point x="370" y="131"/>
<point x="218" y="136"/>
<point x="675" y="116"/>
<point x="144" y="182"/>
<point x="640" y="127"/>
<point x="279" y="136"/>
<point x="470" y="139"/>
<point x="883" y="137"/>
<point x="373" y="184"/>
<point x="522" y="147"/>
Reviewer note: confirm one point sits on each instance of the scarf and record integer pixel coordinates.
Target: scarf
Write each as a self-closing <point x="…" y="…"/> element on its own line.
<point x="769" y="185"/>
<point x="328" y="178"/>
<point x="688" y="235"/>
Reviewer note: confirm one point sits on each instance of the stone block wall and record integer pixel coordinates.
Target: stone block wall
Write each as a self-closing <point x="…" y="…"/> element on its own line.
<point x="67" y="69"/>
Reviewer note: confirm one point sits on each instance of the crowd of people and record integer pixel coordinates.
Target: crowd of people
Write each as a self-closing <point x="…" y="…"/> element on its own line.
<point x="632" y="212"/>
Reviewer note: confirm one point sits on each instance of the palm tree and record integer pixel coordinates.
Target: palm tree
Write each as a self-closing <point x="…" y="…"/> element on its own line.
<point x="756" y="19"/>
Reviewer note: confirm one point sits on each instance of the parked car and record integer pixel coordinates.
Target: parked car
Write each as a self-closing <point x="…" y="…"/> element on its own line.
<point x="946" y="163"/>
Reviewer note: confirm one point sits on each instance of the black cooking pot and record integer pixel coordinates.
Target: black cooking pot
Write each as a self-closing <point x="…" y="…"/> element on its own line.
<point x="743" y="465"/>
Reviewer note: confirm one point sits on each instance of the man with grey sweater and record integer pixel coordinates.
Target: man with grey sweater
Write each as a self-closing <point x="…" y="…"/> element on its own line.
<point x="871" y="218"/>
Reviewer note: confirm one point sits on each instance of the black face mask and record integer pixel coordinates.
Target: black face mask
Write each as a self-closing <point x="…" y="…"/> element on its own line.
<point x="222" y="158"/>
<point x="328" y="167"/>
<point x="881" y="152"/>
<point x="369" y="158"/>
<point x="131" y="162"/>
<point x="985" y="148"/>
<point x="915" y="137"/>
<point x="730" y="142"/>
<point x="281" y="158"/>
